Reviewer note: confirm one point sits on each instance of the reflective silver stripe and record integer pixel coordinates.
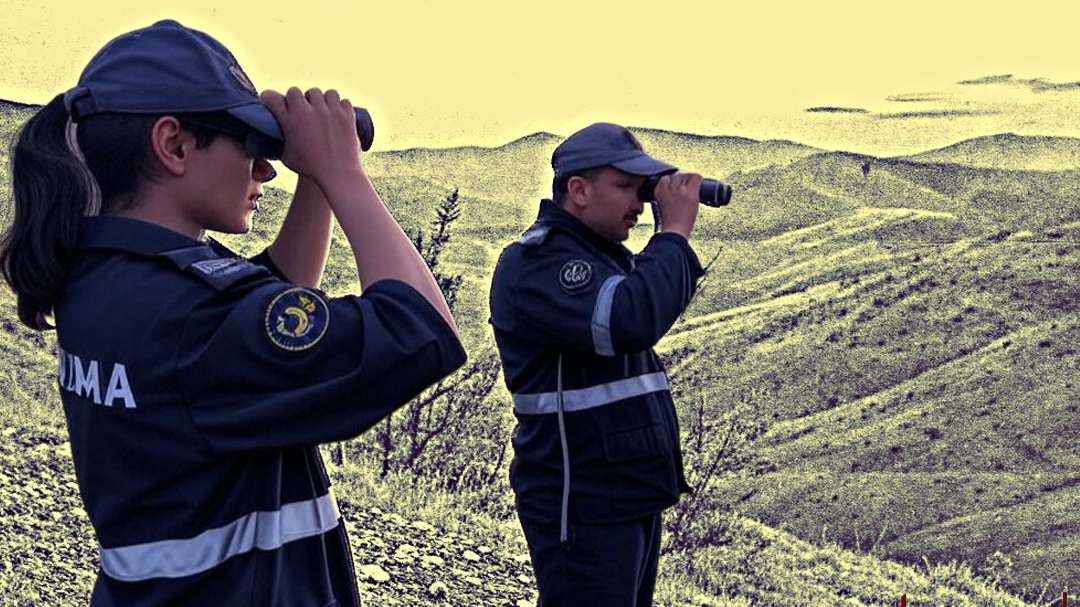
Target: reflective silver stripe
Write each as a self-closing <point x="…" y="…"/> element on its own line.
<point x="564" y="533"/>
<point x="601" y="318"/>
<point x="587" y="398"/>
<point x="259" y="530"/>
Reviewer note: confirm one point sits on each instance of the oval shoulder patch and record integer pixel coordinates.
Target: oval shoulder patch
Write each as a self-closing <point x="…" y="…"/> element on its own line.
<point x="296" y="319"/>
<point x="575" y="275"/>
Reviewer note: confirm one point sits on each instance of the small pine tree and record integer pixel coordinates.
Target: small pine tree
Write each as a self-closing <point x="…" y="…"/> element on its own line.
<point x="427" y="435"/>
<point x="447" y="213"/>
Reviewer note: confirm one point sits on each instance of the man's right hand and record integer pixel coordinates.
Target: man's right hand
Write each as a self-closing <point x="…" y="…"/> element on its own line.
<point x="677" y="199"/>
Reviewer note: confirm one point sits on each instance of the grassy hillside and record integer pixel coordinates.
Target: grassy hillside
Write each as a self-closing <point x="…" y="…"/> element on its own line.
<point x="720" y="157"/>
<point x="12" y="116"/>
<point x="512" y="174"/>
<point x="924" y="394"/>
<point x="47" y="551"/>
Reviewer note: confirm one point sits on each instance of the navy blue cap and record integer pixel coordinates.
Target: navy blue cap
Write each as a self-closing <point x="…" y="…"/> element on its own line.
<point x="605" y="144"/>
<point x="167" y="68"/>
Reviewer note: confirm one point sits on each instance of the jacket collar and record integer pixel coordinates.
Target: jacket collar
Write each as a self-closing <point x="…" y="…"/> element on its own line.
<point x="132" y="235"/>
<point x="553" y="215"/>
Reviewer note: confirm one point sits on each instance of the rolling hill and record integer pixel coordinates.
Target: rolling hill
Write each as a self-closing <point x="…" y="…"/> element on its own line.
<point x="1008" y="151"/>
<point x="824" y="186"/>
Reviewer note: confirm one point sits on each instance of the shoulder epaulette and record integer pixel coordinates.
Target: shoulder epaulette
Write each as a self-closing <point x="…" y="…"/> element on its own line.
<point x="535" y="235"/>
<point x="219" y="272"/>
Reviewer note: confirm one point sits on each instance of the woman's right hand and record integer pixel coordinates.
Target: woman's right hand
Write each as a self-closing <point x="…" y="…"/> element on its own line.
<point x="320" y="133"/>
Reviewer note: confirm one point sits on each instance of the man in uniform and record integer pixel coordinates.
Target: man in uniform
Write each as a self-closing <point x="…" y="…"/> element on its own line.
<point x="576" y="316"/>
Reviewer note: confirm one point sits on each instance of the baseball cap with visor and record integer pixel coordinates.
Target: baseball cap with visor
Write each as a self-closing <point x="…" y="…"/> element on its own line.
<point x="168" y="68"/>
<point x="605" y="144"/>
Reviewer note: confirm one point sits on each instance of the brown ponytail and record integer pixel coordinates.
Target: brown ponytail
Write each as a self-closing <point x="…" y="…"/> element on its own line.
<point x="51" y="188"/>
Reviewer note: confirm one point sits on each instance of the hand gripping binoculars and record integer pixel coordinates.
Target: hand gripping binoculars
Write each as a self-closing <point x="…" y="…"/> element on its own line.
<point x="259" y="144"/>
<point x="711" y="194"/>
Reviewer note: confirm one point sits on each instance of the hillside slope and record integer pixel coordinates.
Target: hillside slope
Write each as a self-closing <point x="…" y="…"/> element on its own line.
<point x="919" y="391"/>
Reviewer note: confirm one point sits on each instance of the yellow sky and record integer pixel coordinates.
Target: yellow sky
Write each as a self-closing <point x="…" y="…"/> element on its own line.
<point x="483" y="72"/>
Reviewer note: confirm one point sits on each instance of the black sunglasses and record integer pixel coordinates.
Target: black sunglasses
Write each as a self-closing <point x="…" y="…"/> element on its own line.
<point x="255" y="143"/>
<point x="227" y="125"/>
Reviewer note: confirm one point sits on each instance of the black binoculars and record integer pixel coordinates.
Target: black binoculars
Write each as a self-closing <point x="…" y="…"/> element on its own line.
<point x="264" y="146"/>
<point x="712" y="193"/>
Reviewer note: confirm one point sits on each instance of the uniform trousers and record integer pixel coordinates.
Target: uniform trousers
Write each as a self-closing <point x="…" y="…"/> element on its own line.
<point x="604" y="565"/>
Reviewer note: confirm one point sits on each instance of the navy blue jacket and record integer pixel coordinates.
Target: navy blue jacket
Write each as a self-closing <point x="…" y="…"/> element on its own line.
<point x="575" y="319"/>
<point x="196" y="386"/>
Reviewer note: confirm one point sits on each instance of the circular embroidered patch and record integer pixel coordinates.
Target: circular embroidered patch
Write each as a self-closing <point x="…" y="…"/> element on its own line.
<point x="296" y="319"/>
<point x="575" y="275"/>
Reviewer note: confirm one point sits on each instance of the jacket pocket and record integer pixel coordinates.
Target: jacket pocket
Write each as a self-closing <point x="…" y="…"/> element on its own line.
<point x="632" y="444"/>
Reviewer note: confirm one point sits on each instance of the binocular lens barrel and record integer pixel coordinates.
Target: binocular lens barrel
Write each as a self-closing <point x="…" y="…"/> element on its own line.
<point x="264" y="146"/>
<point x="712" y="193"/>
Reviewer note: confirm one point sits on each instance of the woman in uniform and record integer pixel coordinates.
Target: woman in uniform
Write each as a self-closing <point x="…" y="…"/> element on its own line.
<point x="197" y="384"/>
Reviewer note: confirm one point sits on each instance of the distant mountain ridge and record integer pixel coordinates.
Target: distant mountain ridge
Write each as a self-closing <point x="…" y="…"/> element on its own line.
<point x="828" y="185"/>
<point x="519" y="172"/>
<point x="720" y="155"/>
<point x="1008" y="151"/>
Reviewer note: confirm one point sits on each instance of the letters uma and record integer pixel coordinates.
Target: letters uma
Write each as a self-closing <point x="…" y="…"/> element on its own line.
<point x="83" y="378"/>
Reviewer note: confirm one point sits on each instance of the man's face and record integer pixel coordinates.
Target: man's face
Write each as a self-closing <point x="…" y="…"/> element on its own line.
<point x="609" y="203"/>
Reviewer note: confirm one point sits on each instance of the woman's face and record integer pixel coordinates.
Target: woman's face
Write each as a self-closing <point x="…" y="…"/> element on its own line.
<point x="226" y="185"/>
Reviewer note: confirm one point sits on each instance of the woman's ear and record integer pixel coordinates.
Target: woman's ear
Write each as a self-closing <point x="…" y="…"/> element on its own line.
<point x="170" y="144"/>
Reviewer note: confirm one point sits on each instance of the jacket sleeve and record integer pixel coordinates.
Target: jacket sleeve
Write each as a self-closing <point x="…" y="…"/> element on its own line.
<point x="540" y="294"/>
<point x="256" y="376"/>
<point x="263" y="259"/>
<point x="656" y="292"/>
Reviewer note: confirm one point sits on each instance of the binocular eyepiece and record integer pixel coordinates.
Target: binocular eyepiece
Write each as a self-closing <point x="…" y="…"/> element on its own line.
<point x="712" y="193"/>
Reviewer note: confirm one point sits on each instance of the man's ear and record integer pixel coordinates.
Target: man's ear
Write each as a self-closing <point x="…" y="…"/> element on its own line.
<point x="577" y="190"/>
<point x="171" y="145"/>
